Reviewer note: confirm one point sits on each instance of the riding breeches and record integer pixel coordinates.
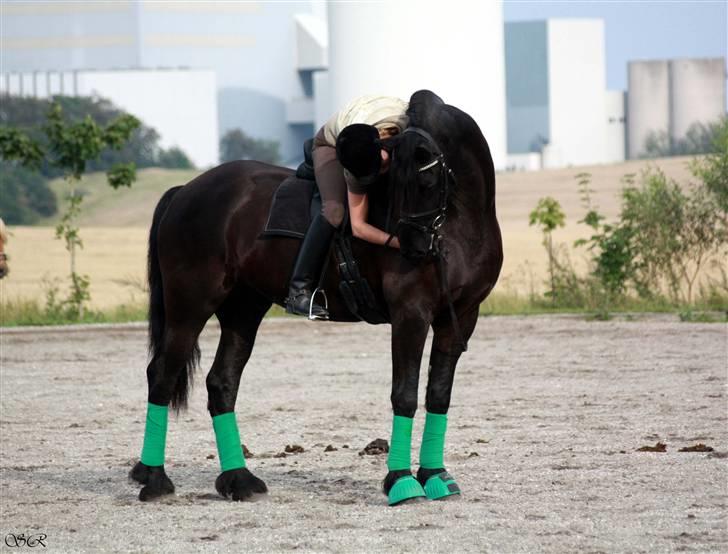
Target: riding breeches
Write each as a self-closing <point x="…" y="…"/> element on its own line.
<point x="330" y="180"/>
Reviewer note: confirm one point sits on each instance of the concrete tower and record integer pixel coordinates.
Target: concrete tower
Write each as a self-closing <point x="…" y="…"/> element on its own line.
<point x="396" y="48"/>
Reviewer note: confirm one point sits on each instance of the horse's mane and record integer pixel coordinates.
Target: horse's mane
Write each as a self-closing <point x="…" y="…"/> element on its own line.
<point x="458" y="136"/>
<point x="452" y="128"/>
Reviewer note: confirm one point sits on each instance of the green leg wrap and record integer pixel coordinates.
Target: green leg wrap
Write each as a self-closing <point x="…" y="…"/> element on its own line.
<point x="407" y="486"/>
<point x="433" y="441"/>
<point x="399" y="447"/>
<point x="227" y="436"/>
<point x="431" y="457"/>
<point x="155" y="435"/>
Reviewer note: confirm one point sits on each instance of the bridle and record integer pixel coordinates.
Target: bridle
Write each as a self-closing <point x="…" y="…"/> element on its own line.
<point x="430" y="222"/>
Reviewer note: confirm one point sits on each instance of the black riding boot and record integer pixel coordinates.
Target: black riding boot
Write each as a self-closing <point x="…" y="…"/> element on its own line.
<point x="307" y="272"/>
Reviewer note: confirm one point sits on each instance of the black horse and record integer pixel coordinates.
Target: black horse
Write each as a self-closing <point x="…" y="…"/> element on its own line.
<point x="206" y="257"/>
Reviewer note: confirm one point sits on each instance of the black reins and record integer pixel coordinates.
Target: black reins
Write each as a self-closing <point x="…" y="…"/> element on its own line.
<point x="433" y="228"/>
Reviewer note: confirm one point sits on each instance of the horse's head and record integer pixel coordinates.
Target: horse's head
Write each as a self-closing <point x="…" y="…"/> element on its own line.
<point x="422" y="178"/>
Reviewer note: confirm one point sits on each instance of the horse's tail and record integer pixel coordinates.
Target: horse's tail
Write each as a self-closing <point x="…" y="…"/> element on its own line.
<point x="156" y="304"/>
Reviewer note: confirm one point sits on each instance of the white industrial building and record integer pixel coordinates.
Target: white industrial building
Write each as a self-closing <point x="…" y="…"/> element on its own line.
<point x="455" y="52"/>
<point x="180" y="104"/>
<point x="557" y="102"/>
<point x="279" y="70"/>
<point x="282" y="68"/>
<point x="250" y="46"/>
<point x="669" y="96"/>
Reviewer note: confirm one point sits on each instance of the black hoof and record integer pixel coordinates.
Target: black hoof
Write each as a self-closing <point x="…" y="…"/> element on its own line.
<point x="155" y="481"/>
<point x="424" y="474"/>
<point x="392" y="477"/>
<point x="239" y="484"/>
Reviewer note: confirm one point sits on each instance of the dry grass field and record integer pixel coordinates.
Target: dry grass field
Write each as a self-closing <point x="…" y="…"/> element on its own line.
<point x="115" y="223"/>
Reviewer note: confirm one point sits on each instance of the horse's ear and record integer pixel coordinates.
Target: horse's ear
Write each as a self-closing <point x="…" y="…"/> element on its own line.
<point x="421" y="106"/>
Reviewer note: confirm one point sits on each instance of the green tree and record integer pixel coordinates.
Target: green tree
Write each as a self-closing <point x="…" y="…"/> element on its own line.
<point x="174" y="158"/>
<point x="236" y="145"/>
<point x="29" y="116"/>
<point x="548" y="215"/>
<point x="69" y="147"/>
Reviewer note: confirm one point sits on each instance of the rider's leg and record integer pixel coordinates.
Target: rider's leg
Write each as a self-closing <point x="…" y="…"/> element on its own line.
<point x="316" y="244"/>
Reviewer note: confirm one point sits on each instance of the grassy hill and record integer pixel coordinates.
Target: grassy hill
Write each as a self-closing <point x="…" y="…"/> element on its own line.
<point x="125" y="207"/>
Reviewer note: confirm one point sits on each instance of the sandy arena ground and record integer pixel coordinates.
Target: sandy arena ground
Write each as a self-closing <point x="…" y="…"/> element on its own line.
<point x="547" y="415"/>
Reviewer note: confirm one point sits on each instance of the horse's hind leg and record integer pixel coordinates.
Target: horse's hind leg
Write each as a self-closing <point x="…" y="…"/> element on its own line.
<point x="239" y="316"/>
<point x="167" y="379"/>
<point x="446" y="350"/>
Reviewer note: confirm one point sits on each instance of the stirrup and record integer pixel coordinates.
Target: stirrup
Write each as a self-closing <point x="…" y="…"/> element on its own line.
<point x="310" y="305"/>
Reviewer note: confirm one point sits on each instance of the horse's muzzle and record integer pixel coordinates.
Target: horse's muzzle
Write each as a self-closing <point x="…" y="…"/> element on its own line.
<point x="414" y="245"/>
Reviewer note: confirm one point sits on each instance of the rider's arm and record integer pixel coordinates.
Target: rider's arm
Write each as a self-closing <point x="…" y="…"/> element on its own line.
<point x="358" y="210"/>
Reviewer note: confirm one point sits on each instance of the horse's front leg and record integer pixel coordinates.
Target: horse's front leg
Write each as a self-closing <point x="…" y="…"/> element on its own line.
<point x="409" y="332"/>
<point x="446" y="350"/>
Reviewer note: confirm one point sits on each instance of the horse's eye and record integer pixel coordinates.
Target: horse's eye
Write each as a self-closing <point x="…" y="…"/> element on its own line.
<point x="422" y="155"/>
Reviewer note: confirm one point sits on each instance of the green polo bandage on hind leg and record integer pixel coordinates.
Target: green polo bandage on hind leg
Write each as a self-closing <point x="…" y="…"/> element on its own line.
<point x="155" y="435"/>
<point x="227" y="437"/>
<point x="407" y="486"/>
<point x="431" y="457"/>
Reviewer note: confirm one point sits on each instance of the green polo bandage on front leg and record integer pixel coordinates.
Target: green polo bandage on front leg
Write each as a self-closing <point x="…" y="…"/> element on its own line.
<point x="407" y="486"/>
<point x="441" y="484"/>
<point x="155" y="435"/>
<point x="433" y="441"/>
<point x="399" y="447"/>
<point x="227" y="437"/>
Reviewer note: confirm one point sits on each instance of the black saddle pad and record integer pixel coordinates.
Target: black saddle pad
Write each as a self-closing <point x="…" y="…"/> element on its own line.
<point x="294" y="202"/>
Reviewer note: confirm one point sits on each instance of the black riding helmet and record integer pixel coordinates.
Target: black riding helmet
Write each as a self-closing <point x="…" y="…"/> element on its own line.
<point x="358" y="149"/>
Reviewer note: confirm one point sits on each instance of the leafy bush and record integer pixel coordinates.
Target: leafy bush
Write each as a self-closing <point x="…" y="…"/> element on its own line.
<point x="712" y="170"/>
<point x="665" y="236"/>
<point x="25" y="196"/>
<point x="673" y="234"/>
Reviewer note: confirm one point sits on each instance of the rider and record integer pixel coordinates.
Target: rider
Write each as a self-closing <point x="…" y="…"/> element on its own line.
<point x="347" y="157"/>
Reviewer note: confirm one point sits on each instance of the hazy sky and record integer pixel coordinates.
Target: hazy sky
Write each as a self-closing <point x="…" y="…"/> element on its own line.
<point x="640" y="30"/>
